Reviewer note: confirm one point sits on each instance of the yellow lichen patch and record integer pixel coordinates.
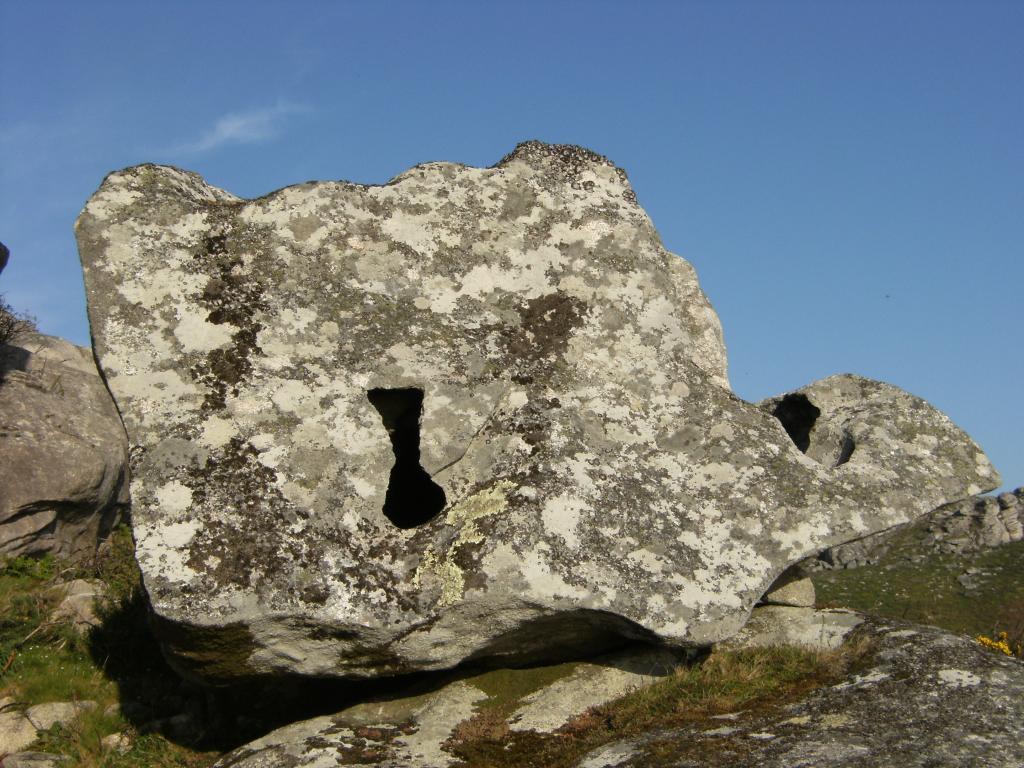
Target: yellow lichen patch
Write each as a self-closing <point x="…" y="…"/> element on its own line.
<point x="446" y="572"/>
<point x="480" y="504"/>
<point x="834" y="720"/>
<point x="464" y="516"/>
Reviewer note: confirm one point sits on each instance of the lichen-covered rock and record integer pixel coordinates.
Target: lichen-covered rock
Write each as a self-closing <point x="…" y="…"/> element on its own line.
<point x="965" y="526"/>
<point x="920" y="697"/>
<point x="63" y="450"/>
<point x="34" y="760"/>
<point x="413" y="729"/>
<point x="772" y="625"/>
<point x="474" y="412"/>
<point x="925" y="698"/>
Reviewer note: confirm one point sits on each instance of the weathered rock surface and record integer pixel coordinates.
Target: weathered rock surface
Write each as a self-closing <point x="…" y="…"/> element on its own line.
<point x="791" y="588"/>
<point x="474" y="412"/>
<point x="16" y="732"/>
<point x="791" y="625"/>
<point x="411" y="730"/>
<point x="45" y="716"/>
<point x="927" y="698"/>
<point x="963" y="527"/>
<point x="63" y="450"/>
<point x="923" y="697"/>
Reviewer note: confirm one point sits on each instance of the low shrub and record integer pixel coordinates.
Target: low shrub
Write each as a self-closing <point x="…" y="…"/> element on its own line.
<point x="13" y="324"/>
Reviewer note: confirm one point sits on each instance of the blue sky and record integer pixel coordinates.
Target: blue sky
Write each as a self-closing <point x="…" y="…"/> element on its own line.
<point x="845" y="177"/>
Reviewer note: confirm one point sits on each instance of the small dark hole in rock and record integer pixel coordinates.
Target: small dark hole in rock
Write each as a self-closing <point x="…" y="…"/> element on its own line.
<point x="845" y="450"/>
<point x="412" y="498"/>
<point x="797" y="415"/>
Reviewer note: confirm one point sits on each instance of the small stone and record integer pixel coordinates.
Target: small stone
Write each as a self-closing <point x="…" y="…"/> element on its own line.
<point x="45" y="716"/>
<point x="78" y="604"/>
<point x="16" y="732"/>
<point x="116" y="742"/>
<point x="795" y="592"/>
<point x="34" y="760"/>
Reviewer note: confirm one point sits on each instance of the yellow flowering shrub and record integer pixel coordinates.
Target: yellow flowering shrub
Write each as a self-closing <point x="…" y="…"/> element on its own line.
<point x="1001" y="644"/>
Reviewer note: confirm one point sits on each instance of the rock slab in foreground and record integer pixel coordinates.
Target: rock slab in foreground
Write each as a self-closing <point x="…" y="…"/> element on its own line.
<point x="63" y="450"/>
<point x="927" y="698"/>
<point x="412" y="730"/>
<point x="474" y="412"/>
<point x="924" y="697"/>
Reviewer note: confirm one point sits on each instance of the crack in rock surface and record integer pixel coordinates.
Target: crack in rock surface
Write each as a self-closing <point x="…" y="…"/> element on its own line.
<point x="596" y="477"/>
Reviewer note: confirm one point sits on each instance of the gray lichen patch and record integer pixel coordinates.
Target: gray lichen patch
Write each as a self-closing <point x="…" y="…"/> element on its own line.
<point x="573" y="453"/>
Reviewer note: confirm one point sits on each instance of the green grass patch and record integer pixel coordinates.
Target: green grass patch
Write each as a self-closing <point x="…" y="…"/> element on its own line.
<point x="506" y="688"/>
<point x="930" y="591"/>
<point x="40" y="660"/>
<point x="118" y="665"/>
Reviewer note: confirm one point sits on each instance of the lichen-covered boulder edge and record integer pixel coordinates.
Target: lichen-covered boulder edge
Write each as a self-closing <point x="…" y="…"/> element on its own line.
<point x="473" y="412"/>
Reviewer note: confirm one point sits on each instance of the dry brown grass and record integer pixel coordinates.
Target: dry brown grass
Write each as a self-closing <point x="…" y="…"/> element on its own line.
<point x="752" y="680"/>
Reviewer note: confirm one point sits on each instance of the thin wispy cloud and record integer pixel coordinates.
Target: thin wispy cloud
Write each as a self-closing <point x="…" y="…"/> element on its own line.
<point x="249" y="127"/>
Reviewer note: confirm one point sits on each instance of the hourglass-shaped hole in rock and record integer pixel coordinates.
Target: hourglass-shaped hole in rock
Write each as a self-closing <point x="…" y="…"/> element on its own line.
<point x="412" y="498"/>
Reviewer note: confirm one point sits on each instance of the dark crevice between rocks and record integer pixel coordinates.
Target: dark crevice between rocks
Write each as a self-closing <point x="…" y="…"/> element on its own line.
<point x="797" y="415"/>
<point x="240" y="710"/>
<point x="412" y="498"/>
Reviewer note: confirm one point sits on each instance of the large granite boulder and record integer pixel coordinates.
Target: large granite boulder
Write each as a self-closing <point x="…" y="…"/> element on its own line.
<point x="472" y="413"/>
<point x="63" y="450"/>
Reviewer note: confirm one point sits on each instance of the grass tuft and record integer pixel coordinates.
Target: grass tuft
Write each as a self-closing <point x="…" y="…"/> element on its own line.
<point x="724" y="682"/>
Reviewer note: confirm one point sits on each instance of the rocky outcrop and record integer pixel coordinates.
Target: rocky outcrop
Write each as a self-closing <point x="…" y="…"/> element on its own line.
<point x="472" y="413"/>
<point x="963" y="527"/>
<point x="63" y="450"/>
<point x="921" y="697"/>
<point x="927" y="698"/>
